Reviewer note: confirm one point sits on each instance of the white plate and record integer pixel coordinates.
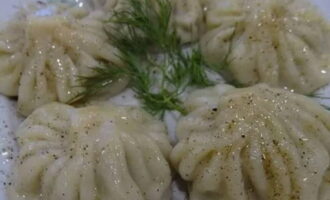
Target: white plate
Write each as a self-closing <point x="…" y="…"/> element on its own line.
<point x="9" y="119"/>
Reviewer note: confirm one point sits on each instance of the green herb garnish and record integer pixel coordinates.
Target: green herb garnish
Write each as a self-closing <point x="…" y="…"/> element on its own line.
<point x="159" y="68"/>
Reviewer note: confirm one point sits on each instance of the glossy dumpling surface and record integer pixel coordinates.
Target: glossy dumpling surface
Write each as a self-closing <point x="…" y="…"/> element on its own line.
<point x="42" y="57"/>
<point x="285" y="43"/>
<point x="252" y="144"/>
<point x="11" y="57"/>
<point x="92" y="153"/>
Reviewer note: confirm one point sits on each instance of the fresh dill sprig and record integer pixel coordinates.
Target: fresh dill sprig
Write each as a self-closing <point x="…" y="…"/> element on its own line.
<point x="104" y="77"/>
<point x="142" y="25"/>
<point x="159" y="68"/>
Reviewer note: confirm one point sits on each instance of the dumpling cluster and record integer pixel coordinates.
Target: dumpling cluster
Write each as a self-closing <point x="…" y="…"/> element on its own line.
<point x="284" y="43"/>
<point x="91" y="153"/>
<point x="253" y="143"/>
<point x="42" y="57"/>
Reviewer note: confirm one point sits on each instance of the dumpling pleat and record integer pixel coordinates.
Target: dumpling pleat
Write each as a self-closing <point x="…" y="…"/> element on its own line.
<point x="50" y="174"/>
<point x="66" y="186"/>
<point x="273" y="144"/>
<point x="93" y="153"/>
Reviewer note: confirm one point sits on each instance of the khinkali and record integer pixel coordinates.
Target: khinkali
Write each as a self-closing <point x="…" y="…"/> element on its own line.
<point x="285" y="43"/>
<point x="42" y="57"/>
<point x="254" y="143"/>
<point x="93" y="153"/>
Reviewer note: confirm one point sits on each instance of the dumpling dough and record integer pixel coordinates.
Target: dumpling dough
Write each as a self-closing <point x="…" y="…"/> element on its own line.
<point x="11" y="57"/>
<point x="285" y="43"/>
<point x="255" y="143"/>
<point x="187" y="19"/>
<point x="92" y="153"/>
<point x="42" y="57"/>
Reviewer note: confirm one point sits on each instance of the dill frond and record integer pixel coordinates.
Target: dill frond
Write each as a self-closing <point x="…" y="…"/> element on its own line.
<point x="198" y="74"/>
<point x="104" y="76"/>
<point x="154" y="60"/>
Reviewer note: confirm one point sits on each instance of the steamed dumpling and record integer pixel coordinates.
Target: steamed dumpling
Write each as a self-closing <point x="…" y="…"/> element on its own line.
<point x="42" y="57"/>
<point x="187" y="19"/>
<point x="92" y="153"/>
<point x="59" y="52"/>
<point x="255" y="143"/>
<point x="285" y="43"/>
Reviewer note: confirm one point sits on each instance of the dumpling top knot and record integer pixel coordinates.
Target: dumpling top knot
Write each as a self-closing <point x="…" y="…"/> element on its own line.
<point x="253" y="143"/>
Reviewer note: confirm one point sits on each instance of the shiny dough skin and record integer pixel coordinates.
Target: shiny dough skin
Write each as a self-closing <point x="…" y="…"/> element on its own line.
<point x="42" y="57"/>
<point x="284" y="43"/>
<point x="253" y="144"/>
<point x="92" y="153"/>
